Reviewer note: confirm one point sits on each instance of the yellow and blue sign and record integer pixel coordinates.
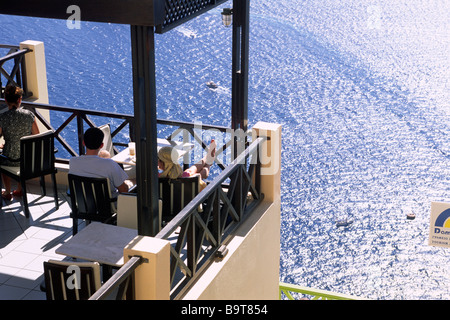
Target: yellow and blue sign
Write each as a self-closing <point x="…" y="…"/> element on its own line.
<point x="439" y="224"/>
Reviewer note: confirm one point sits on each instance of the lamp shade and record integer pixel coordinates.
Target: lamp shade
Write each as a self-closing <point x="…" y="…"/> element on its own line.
<point x="227" y="16"/>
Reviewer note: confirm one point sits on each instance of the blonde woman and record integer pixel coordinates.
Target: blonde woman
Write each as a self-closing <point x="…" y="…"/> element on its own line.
<point x="15" y="124"/>
<point x="168" y="163"/>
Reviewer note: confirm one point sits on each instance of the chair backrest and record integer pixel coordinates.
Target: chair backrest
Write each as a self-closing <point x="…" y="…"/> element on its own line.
<point x="37" y="154"/>
<point x="176" y="194"/>
<point x="69" y="280"/>
<point x="90" y="198"/>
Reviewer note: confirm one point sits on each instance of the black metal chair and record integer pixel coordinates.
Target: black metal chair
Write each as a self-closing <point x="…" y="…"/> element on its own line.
<point x="70" y="280"/>
<point x="91" y="200"/>
<point x="176" y="194"/>
<point x="37" y="159"/>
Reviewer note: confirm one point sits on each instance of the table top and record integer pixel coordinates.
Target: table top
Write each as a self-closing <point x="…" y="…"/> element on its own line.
<point x="99" y="242"/>
<point x="125" y="158"/>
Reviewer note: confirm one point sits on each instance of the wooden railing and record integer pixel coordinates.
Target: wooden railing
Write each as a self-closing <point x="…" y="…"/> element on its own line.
<point x="119" y="286"/>
<point x="17" y="74"/>
<point x="206" y="222"/>
<point x="74" y="147"/>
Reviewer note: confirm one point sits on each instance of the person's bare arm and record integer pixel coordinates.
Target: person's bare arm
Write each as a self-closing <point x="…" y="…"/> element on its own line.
<point x="34" y="128"/>
<point x="123" y="188"/>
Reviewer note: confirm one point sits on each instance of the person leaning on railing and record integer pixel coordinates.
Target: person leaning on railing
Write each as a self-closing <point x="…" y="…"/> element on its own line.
<point x="168" y="163"/>
<point x="14" y="124"/>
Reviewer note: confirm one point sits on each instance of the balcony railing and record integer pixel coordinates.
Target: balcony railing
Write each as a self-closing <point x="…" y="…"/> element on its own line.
<point x="295" y="292"/>
<point x="206" y="222"/>
<point x="120" y="284"/>
<point x="123" y="130"/>
<point x="226" y="201"/>
<point x="17" y="74"/>
<point x="73" y="145"/>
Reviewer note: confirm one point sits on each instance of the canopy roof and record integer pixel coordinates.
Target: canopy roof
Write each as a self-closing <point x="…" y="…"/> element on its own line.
<point x="161" y="14"/>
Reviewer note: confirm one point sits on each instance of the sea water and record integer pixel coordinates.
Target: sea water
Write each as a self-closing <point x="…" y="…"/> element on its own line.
<point x="361" y="89"/>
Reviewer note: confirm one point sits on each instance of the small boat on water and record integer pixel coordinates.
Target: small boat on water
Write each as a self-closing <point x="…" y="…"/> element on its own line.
<point x="410" y="216"/>
<point x="343" y="223"/>
<point x="211" y="85"/>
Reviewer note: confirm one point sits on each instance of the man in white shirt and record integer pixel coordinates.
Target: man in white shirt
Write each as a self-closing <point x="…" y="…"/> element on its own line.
<point x="91" y="165"/>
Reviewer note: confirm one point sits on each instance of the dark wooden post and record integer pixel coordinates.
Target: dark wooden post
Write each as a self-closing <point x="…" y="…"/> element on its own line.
<point x="239" y="99"/>
<point x="144" y="83"/>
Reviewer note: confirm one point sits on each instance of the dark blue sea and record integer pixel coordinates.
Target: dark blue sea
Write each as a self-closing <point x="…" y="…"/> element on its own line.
<point x="362" y="89"/>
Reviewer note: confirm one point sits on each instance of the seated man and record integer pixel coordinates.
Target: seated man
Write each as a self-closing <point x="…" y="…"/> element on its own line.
<point x="94" y="166"/>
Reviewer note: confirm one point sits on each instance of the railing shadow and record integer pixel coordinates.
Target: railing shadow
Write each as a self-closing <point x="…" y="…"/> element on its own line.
<point x="14" y="224"/>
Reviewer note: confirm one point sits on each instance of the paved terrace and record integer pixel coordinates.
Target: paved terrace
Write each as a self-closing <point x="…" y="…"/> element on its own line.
<point x="25" y="243"/>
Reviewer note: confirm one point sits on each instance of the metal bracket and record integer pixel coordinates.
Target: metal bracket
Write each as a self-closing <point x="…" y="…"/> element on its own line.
<point x="221" y="252"/>
<point x="143" y="260"/>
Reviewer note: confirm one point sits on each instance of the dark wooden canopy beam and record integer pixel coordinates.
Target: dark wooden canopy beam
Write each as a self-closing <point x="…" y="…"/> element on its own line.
<point x="161" y="14"/>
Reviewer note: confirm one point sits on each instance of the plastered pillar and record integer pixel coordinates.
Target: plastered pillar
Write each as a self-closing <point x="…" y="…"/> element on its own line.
<point x="270" y="157"/>
<point x="152" y="278"/>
